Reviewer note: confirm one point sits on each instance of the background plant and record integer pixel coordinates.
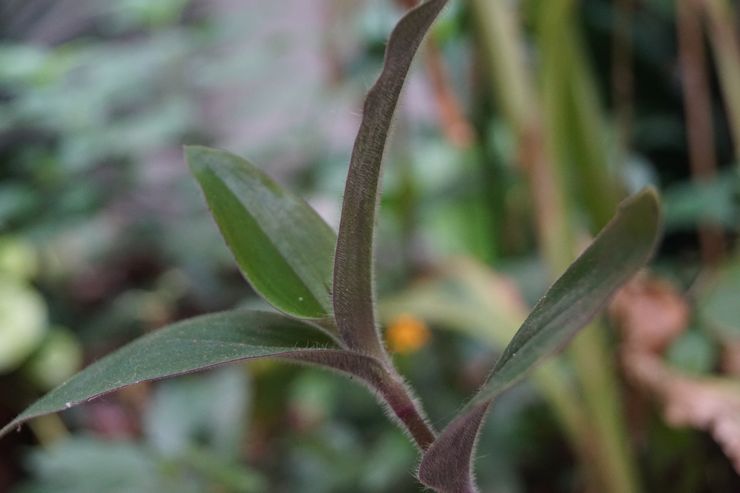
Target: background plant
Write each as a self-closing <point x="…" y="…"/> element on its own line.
<point x="455" y="214"/>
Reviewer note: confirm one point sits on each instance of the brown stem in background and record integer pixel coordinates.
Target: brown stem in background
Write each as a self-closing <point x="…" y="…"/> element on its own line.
<point x="549" y="205"/>
<point x="622" y="71"/>
<point x="723" y="33"/>
<point x="455" y="126"/>
<point x="698" y="109"/>
<point x="452" y="120"/>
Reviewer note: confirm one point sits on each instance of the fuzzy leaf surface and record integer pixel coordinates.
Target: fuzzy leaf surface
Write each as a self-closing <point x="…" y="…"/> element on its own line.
<point x="281" y="244"/>
<point x="189" y="346"/>
<point x="615" y="255"/>
<point x="353" y="265"/>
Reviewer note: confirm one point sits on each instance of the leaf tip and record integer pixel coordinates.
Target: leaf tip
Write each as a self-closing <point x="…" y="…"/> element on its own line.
<point x="648" y="198"/>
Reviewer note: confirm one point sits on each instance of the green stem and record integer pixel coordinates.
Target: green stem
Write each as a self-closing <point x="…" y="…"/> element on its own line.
<point x="597" y="376"/>
<point x="49" y="429"/>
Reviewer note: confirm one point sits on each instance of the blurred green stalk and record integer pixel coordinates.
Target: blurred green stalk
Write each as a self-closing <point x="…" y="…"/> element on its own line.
<point x="723" y="35"/>
<point x="564" y="144"/>
<point x="49" y="430"/>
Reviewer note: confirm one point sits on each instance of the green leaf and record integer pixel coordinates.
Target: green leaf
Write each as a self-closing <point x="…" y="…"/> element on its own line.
<point x="185" y="347"/>
<point x="282" y="246"/>
<point x="615" y="255"/>
<point x="211" y="340"/>
<point x="353" y="266"/>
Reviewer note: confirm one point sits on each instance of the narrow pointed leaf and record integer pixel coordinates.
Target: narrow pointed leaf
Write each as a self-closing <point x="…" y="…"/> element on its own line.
<point x="184" y="347"/>
<point x="282" y="246"/>
<point x="617" y="253"/>
<point x="353" y="265"/>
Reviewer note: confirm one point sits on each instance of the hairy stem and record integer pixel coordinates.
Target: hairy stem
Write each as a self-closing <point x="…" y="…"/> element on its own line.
<point x="407" y="410"/>
<point x="381" y="377"/>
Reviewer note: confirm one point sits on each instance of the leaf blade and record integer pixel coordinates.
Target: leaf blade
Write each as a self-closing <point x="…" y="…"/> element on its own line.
<point x="353" y="267"/>
<point x="184" y="347"/>
<point x="282" y="246"/>
<point x="617" y="253"/>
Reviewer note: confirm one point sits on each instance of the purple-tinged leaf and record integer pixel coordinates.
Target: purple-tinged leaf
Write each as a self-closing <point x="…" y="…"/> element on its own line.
<point x="354" y="308"/>
<point x="216" y="339"/>
<point x="184" y="347"/>
<point x="615" y="255"/>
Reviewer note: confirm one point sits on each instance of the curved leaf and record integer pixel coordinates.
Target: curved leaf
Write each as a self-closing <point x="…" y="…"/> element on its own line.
<point x="184" y="347"/>
<point x="281" y="244"/>
<point x="353" y="266"/>
<point x="615" y="255"/>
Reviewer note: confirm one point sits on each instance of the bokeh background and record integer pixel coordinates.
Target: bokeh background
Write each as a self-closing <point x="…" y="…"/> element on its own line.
<point x="522" y="125"/>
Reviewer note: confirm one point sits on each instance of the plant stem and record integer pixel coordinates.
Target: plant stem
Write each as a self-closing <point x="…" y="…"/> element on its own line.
<point x="384" y="380"/>
<point x="406" y="409"/>
<point x="622" y="72"/>
<point x="601" y="396"/>
<point x="453" y="123"/>
<point x="49" y="429"/>
<point x="723" y="34"/>
<point x="697" y="103"/>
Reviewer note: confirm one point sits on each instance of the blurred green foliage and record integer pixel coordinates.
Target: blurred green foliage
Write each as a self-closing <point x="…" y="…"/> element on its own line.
<point x="96" y="209"/>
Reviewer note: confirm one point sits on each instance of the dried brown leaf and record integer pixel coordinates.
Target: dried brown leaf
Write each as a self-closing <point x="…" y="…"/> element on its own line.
<point x="731" y="358"/>
<point x="650" y="312"/>
<point x="709" y="404"/>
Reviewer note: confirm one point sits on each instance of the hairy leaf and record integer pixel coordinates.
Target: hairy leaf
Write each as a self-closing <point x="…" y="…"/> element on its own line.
<point x="185" y="347"/>
<point x="281" y="244"/>
<point x="353" y="264"/>
<point x="617" y="253"/>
